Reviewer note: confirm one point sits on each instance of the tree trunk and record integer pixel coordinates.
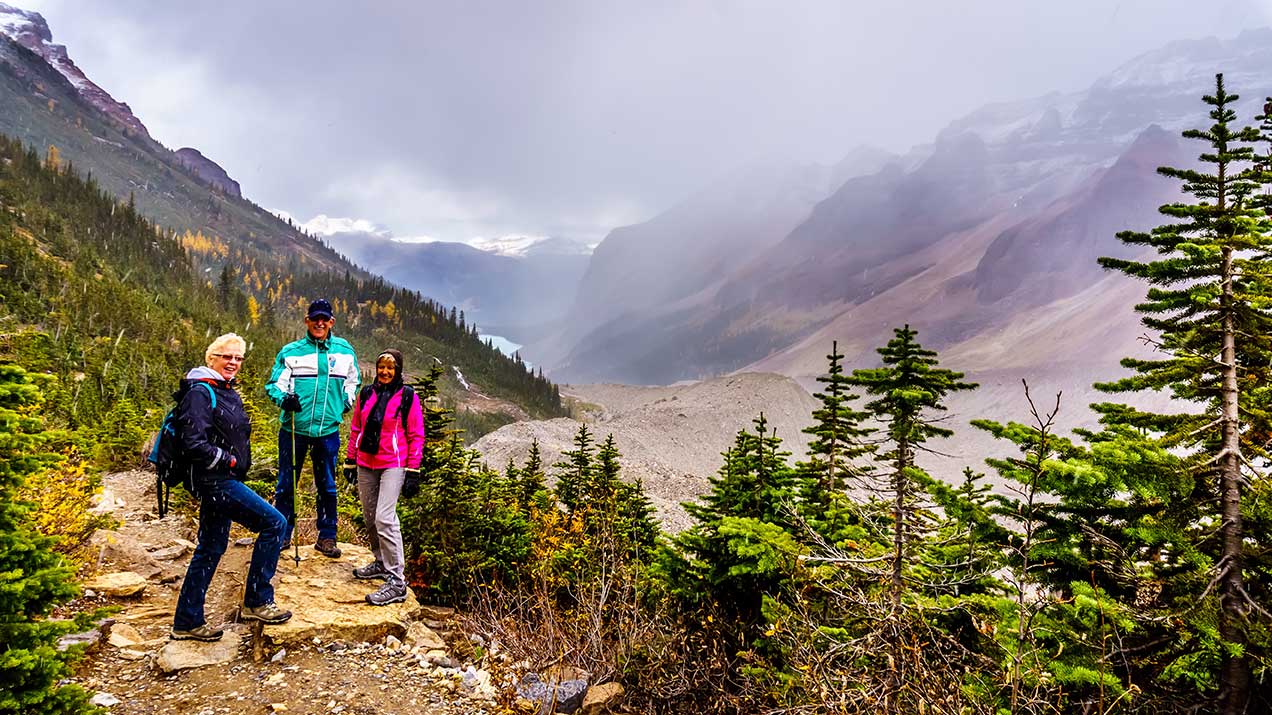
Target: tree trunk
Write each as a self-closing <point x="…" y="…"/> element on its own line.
<point x="898" y="525"/>
<point x="1235" y="678"/>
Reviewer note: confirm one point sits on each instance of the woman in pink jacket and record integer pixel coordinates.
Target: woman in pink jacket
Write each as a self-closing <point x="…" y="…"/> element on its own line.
<point x="386" y="444"/>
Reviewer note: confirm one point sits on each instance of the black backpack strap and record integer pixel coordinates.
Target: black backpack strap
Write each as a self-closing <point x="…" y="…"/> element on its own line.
<point x="408" y="396"/>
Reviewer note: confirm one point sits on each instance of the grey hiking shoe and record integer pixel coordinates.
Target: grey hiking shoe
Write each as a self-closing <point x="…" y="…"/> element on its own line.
<point x="375" y="569"/>
<point x="393" y="591"/>
<point x="204" y="633"/>
<point x="266" y="613"/>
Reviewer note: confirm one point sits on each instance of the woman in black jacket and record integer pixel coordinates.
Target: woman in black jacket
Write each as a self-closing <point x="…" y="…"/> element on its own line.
<point x="215" y="433"/>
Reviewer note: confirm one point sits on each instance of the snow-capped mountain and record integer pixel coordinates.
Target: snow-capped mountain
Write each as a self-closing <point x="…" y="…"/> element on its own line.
<point x="30" y="30"/>
<point x="521" y="246"/>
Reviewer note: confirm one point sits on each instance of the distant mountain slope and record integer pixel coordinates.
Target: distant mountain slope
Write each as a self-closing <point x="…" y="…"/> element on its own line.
<point x="40" y="106"/>
<point x="509" y="295"/>
<point x="998" y="224"/>
<point x="641" y="274"/>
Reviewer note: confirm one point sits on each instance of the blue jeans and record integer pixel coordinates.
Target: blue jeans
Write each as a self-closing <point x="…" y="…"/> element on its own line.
<point x="219" y="504"/>
<point x="325" y="450"/>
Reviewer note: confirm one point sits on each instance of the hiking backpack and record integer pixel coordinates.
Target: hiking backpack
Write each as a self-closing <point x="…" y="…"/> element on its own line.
<point x="165" y="452"/>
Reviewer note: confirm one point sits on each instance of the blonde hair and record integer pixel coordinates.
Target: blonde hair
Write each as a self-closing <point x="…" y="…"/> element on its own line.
<point x="229" y="341"/>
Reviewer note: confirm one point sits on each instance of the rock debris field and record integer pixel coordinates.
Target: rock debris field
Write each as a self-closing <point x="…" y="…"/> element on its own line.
<point x="670" y="437"/>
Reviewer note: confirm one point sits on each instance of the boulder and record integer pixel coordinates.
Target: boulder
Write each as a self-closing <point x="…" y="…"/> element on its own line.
<point x="121" y="584"/>
<point x="184" y="655"/>
<point x="603" y="698"/>
<point x="328" y="603"/>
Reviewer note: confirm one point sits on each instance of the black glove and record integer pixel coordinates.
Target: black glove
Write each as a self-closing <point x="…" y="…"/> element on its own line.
<point x="291" y="403"/>
<point x="411" y="485"/>
<point x="351" y="472"/>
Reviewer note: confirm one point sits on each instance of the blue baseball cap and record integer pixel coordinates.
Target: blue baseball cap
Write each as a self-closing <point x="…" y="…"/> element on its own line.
<point x="319" y="309"/>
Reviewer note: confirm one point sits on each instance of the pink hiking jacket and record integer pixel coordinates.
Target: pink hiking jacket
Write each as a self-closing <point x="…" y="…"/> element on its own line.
<point x="400" y="445"/>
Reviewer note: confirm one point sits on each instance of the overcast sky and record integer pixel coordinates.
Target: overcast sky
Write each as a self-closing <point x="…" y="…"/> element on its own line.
<point x="481" y="119"/>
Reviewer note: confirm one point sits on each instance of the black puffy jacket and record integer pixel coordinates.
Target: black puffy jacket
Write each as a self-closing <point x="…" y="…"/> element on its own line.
<point x="212" y="439"/>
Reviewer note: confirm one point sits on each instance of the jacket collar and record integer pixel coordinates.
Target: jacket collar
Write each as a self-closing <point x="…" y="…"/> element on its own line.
<point x="324" y="344"/>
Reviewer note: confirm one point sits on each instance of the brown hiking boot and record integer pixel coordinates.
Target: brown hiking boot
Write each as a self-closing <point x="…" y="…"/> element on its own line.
<point x="328" y="548"/>
<point x="265" y="613"/>
<point x="204" y="633"/>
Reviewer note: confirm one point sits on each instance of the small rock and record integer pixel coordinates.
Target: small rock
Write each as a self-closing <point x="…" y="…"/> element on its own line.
<point x="392" y="643"/>
<point x="131" y="654"/>
<point x="278" y="657"/>
<point x="439" y="659"/>
<point x="121" y="584"/>
<point x="169" y="553"/>
<point x="602" y="698"/>
<point x="279" y="707"/>
<point x="421" y="636"/>
<point x="246" y="541"/>
<point x="275" y="679"/>
<point x="92" y="638"/>
<point x="104" y="700"/>
<point x="90" y="593"/>
<point x="568" y="695"/>
<point x="123" y="635"/>
<point x="183" y="542"/>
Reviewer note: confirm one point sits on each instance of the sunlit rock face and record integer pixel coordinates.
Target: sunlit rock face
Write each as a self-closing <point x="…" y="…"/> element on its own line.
<point x="208" y="171"/>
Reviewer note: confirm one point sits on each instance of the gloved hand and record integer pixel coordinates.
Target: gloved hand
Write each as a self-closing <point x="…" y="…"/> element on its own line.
<point x="351" y="471"/>
<point x="411" y="485"/>
<point x="291" y="403"/>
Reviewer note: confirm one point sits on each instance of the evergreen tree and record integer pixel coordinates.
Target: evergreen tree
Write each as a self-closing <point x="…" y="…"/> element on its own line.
<point x="532" y="488"/>
<point x="576" y="472"/>
<point x="908" y="393"/>
<point x="1208" y="301"/>
<point x="33" y="579"/>
<point x="838" y="439"/>
<point x="740" y="547"/>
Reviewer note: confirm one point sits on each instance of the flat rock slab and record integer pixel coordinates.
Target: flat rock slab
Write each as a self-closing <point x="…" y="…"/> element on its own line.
<point x="121" y="584"/>
<point x="184" y="655"/>
<point x="327" y="602"/>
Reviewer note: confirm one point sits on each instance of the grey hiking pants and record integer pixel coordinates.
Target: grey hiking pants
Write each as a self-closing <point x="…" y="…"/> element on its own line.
<point x="378" y="489"/>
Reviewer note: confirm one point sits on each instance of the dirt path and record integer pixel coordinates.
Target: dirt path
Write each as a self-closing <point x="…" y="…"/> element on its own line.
<point x="316" y="676"/>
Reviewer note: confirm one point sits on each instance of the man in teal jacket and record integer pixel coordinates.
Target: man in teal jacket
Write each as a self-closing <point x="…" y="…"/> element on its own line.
<point x="314" y="382"/>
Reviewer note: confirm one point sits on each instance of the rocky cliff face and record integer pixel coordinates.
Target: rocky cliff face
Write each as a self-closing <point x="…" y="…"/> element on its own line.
<point x="208" y="171"/>
<point x="30" y="30"/>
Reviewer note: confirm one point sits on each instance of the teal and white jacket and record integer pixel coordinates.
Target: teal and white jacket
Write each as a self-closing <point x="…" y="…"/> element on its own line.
<point x="324" y="374"/>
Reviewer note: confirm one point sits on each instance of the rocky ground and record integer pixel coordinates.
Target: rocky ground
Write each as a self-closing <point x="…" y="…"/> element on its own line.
<point x="670" y="437"/>
<point x="336" y="655"/>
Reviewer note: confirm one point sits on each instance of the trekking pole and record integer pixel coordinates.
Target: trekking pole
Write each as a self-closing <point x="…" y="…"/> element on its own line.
<point x="295" y="496"/>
